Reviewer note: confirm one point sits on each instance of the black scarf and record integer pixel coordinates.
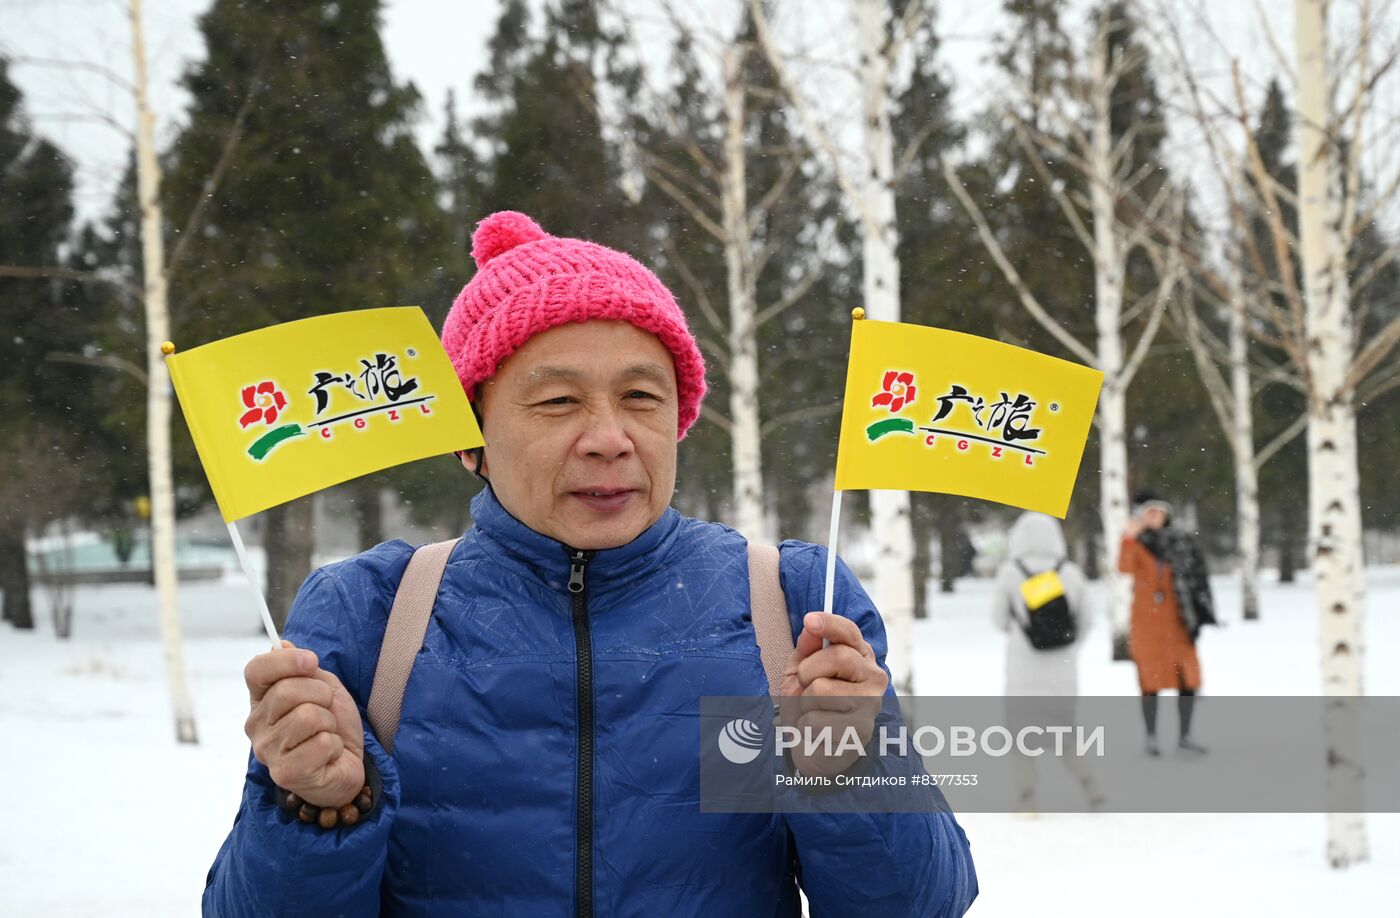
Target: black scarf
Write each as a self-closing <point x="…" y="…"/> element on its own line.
<point x="1189" y="576"/>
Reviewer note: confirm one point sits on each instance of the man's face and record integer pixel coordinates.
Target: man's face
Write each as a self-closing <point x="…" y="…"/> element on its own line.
<point x="580" y="426"/>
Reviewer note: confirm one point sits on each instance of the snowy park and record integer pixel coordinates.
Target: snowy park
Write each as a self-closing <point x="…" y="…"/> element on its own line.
<point x="103" y="790"/>
<point x="1089" y="310"/>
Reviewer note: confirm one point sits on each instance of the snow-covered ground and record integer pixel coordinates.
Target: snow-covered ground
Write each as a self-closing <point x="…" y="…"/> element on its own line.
<point x="105" y="814"/>
<point x="1175" y="865"/>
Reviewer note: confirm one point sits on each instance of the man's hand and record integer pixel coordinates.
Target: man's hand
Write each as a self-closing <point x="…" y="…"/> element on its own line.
<point x="835" y="687"/>
<point x="305" y="727"/>
<point x="1134" y="527"/>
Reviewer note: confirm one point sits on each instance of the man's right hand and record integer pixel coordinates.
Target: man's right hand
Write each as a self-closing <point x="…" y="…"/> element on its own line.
<point x="305" y="727"/>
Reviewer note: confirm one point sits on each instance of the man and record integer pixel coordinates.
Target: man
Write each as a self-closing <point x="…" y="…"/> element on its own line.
<point x="546" y="758"/>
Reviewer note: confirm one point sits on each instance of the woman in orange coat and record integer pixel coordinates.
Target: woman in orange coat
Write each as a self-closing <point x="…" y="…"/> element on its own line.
<point x="1171" y="601"/>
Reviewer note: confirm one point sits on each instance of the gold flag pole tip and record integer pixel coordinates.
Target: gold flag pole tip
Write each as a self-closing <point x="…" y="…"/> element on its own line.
<point x="167" y="348"/>
<point x="858" y="313"/>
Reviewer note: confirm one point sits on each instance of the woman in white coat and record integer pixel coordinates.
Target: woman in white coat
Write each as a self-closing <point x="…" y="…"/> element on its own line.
<point x="1036" y="544"/>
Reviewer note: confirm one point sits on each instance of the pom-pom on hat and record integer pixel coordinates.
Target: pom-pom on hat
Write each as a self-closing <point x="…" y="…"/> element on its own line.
<point x="528" y="281"/>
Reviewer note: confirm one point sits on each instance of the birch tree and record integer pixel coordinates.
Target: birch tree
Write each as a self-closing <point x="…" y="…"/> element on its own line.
<point x="1225" y="268"/>
<point x="157" y="384"/>
<point x="1109" y="175"/>
<point x="1328" y="212"/>
<point x="1332" y="339"/>
<point x="870" y="194"/>
<point x="704" y="164"/>
<point x="158" y="389"/>
<point x="1228" y="376"/>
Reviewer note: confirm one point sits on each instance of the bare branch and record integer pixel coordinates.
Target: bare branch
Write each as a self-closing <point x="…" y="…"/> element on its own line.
<point x="673" y="192"/>
<point x="915" y="12"/>
<point x="789" y="299"/>
<point x="87" y="277"/>
<point x="716" y="351"/>
<point x="697" y="289"/>
<point x="1285" y="437"/>
<point x="1378" y="387"/>
<point x="780" y="185"/>
<point x="1373" y="354"/>
<point x="94" y="117"/>
<point x="771" y="246"/>
<point x="906" y="159"/>
<point x="681" y="176"/>
<point x="712" y="414"/>
<point x="1028" y="300"/>
<point x="1170" y="274"/>
<point x="1217" y="389"/>
<point x="108" y="361"/>
<point x="211" y="184"/>
<point x="818" y="136"/>
<point x="1293" y="296"/>
<point x="1284" y="61"/>
<point x="1382" y="198"/>
<point x="104" y="72"/>
<point x="809" y="413"/>
<point x="1071" y="212"/>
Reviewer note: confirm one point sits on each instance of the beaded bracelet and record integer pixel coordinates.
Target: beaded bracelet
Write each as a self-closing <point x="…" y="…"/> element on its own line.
<point x="328" y="817"/>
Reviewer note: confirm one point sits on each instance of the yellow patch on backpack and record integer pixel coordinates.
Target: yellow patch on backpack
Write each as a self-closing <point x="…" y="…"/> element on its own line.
<point x="1041" y="588"/>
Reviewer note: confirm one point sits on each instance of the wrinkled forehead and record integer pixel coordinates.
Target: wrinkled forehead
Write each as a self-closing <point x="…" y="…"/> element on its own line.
<point x="593" y="372"/>
<point x="593" y="353"/>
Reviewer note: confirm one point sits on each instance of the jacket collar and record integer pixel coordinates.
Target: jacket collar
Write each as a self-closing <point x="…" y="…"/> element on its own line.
<point x="547" y="559"/>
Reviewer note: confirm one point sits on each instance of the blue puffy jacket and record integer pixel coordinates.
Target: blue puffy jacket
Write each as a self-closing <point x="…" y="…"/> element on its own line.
<point x="546" y="759"/>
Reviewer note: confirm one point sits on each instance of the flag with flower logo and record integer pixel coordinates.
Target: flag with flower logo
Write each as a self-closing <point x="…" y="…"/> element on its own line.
<point x="283" y="411"/>
<point x="928" y="409"/>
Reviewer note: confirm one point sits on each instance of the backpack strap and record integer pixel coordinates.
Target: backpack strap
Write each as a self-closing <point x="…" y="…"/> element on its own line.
<point x="403" y="637"/>
<point x="417" y="592"/>
<point x="771" y="627"/>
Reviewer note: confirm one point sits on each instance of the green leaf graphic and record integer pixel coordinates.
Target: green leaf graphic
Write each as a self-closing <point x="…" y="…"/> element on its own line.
<point x="890" y="425"/>
<point x="264" y="444"/>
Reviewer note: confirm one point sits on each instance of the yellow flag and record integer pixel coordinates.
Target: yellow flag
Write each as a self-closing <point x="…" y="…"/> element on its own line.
<point x="928" y="409"/>
<point x="283" y="411"/>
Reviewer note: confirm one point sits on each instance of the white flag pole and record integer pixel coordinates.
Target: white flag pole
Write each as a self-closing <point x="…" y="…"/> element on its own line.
<point x="831" y="556"/>
<point x="830" y="590"/>
<point x="253" y="582"/>
<point x="831" y="550"/>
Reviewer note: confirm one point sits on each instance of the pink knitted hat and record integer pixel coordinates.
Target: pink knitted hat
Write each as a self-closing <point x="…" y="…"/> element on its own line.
<point x="528" y="281"/>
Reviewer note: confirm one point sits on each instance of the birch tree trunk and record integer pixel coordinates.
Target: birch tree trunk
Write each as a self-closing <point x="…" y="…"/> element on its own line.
<point x="1109" y="269"/>
<point x="1333" y="479"/>
<point x="158" y="392"/>
<point x="890" y="522"/>
<point x="1246" y="474"/>
<point x="743" y="329"/>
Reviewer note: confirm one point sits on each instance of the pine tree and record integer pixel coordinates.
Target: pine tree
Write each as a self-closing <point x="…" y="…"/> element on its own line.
<point x="327" y="203"/>
<point x="548" y="155"/>
<point x="937" y="243"/>
<point x="44" y="403"/>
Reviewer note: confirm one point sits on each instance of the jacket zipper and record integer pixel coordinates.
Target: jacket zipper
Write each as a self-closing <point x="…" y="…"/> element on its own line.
<point x="583" y="647"/>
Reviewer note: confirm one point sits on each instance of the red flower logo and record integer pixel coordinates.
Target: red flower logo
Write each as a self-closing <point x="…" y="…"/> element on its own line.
<point x="899" y="391"/>
<point x="264" y="402"/>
